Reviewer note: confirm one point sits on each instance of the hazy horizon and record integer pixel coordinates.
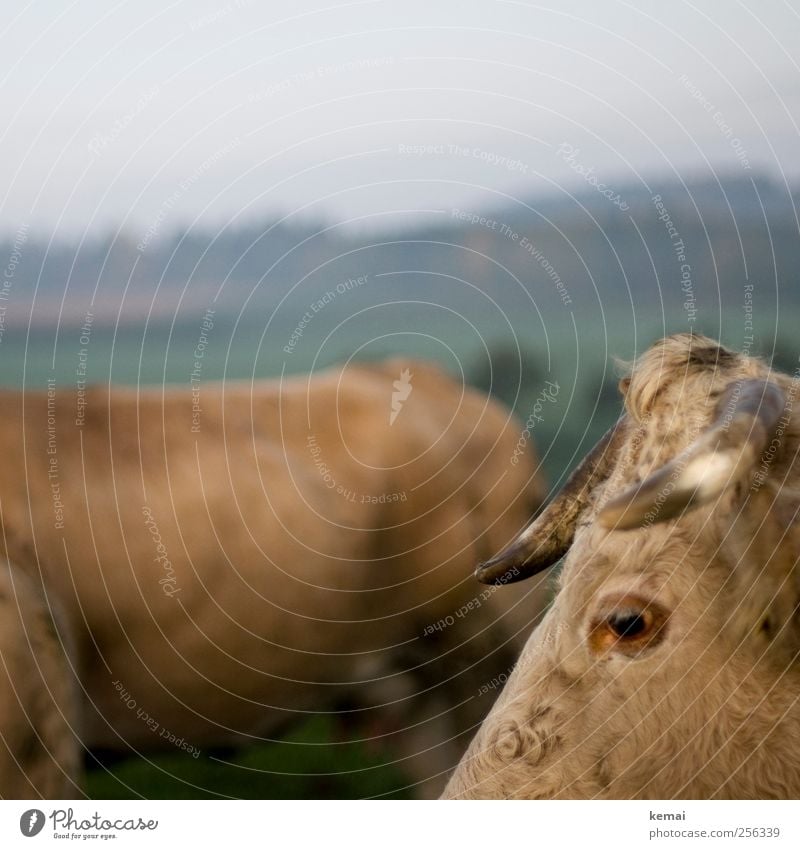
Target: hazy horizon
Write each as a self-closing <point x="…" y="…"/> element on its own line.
<point x="151" y="119"/>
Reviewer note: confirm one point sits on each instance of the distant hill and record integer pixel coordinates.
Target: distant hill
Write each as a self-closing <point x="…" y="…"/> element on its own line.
<point x="582" y="253"/>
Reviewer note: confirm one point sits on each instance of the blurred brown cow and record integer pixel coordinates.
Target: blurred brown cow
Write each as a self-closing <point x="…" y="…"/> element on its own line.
<point x="233" y="557"/>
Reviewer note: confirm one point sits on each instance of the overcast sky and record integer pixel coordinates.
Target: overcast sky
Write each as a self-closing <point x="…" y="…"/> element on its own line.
<point x="148" y="115"/>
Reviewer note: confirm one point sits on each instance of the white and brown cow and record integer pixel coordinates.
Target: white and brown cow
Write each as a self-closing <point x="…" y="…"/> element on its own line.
<point x="668" y="665"/>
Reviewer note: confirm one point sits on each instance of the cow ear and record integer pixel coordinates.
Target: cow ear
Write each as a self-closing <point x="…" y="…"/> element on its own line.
<point x="623" y="386"/>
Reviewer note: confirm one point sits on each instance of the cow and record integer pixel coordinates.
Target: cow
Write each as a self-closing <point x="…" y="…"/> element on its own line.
<point x="232" y="556"/>
<point x="39" y="743"/>
<point x="667" y="666"/>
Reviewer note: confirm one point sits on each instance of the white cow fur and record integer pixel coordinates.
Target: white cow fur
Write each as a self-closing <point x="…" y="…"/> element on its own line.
<point x="709" y="709"/>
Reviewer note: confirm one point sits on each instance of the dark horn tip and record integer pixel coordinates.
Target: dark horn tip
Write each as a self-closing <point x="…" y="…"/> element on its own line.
<point x="486" y="573"/>
<point x="499" y="570"/>
<point x="511" y="566"/>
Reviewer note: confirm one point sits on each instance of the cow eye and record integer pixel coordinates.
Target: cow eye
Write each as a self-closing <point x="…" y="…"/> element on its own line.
<point x="626" y="624"/>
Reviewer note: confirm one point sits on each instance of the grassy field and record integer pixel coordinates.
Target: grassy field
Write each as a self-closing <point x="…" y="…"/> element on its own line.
<point x="314" y="761"/>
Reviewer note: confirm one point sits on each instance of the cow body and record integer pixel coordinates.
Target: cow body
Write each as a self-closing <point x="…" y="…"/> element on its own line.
<point x="232" y="559"/>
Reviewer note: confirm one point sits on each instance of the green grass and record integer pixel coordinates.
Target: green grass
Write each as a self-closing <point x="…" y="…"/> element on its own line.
<point x="311" y="762"/>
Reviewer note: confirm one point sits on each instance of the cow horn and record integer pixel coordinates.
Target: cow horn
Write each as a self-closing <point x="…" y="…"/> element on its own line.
<point x="549" y="536"/>
<point x="744" y="424"/>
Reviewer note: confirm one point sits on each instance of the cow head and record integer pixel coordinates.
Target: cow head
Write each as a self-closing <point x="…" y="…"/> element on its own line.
<point x="667" y="665"/>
